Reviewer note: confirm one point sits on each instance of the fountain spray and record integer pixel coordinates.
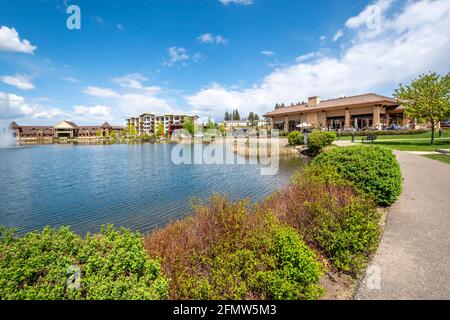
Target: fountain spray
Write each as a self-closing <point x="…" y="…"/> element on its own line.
<point x="6" y="134"/>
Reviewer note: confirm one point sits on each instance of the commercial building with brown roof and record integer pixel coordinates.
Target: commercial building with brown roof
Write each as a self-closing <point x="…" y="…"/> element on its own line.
<point x="63" y="129"/>
<point x="366" y="111"/>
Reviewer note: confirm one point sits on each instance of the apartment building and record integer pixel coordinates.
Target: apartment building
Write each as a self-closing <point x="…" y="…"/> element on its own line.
<point x="148" y="123"/>
<point x="144" y="124"/>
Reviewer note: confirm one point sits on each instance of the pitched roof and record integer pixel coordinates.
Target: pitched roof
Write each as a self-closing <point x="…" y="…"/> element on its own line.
<point x="72" y="124"/>
<point x="13" y="125"/>
<point x="363" y="99"/>
<point x="62" y="124"/>
<point x="32" y="130"/>
<point x="106" y="125"/>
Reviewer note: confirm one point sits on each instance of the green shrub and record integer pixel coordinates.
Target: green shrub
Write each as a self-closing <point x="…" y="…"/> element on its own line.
<point x="226" y="251"/>
<point x="347" y="234"/>
<point x="271" y="264"/>
<point x="374" y="170"/>
<point x="296" y="138"/>
<point x="317" y="140"/>
<point x="331" y="215"/>
<point x="112" y="265"/>
<point x="297" y="269"/>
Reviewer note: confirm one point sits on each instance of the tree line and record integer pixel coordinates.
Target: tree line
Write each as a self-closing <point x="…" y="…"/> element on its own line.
<point x="234" y="115"/>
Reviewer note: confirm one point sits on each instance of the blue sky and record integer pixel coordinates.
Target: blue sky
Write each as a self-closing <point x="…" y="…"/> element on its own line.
<point x="206" y="56"/>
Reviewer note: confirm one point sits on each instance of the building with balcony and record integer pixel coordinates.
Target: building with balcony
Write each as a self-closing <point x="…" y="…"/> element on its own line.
<point x="148" y="123"/>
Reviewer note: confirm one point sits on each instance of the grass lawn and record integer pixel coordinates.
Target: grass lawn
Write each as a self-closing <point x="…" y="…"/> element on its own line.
<point x="440" y="157"/>
<point x="427" y="135"/>
<point x="413" y="145"/>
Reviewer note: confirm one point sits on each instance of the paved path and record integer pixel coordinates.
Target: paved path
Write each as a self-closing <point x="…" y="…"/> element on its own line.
<point x="343" y="143"/>
<point x="413" y="258"/>
<point x="423" y="152"/>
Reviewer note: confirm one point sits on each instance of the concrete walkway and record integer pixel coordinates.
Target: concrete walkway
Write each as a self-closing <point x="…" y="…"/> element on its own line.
<point x="413" y="259"/>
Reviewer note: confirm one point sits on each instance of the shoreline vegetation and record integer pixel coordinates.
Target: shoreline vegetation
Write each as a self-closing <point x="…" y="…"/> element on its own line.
<point x="325" y="223"/>
<point x="343" y="135"/>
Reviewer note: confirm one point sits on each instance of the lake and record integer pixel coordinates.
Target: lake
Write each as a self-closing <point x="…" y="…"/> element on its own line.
<point x="131" y="185"/>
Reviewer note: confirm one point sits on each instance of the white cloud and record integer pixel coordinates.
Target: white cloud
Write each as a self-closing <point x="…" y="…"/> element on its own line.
<point x="371" y="14"/>
<point x="125" y="104"/>
<point x="119" y="26"/>
<point x="136" y="103"/>
<point x="101" y="92"/>
<point x="100" y="112"/>
<point x="242" y="2"/>
<point x="98" y="20"/>
<point x="221" y="40"/>
<point x="305" y="57"/>
<point x="338" y="35"/>
<point x="197" y="57"/>
<point x="20" y="81"/>
<point x="18" y="107"/>
<point x="70" y="79"/>
<point x="176" y="55"/>
<point x="213" y="39"/>
<point x="206" y="38"/>
<point x="153" y="89"/>
<point x="10" y="41"/>
<point x="132" y="80"/>
<point x="119" y="106"/>
<point x="413" y="40"/>
<point x="267" y="53"/>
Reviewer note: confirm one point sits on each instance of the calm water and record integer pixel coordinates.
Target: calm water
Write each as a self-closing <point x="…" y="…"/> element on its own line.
<point x="135" y="186"/>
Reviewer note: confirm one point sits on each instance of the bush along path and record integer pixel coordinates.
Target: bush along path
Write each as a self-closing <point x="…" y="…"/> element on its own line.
<point x="58" y="264"/>
<point x="413" y="259"/>
<point x="281" y="247"/>
<point x="325" y="220"/>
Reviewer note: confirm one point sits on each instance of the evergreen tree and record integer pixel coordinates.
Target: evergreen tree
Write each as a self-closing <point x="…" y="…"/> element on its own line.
<point x="237" y="116"/>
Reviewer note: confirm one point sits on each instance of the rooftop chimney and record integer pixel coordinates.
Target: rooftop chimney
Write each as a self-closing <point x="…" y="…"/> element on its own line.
<point x="313" y="101"/>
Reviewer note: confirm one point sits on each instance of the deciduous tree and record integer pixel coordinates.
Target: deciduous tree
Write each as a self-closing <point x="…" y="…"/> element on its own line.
<point x="427" y="97"/>
<point x="189" y="125"/>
